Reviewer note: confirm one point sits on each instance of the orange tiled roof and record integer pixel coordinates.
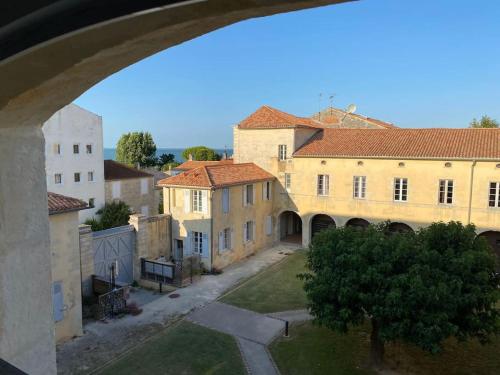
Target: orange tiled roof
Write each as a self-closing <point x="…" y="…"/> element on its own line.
<point x="60" y="203"/>
<point x="191" y="164"/>
<point x="270" y="118"/>
<point x="218" y="176"/>
<point x="404" y="143"/>
<point x="118" y="171"/>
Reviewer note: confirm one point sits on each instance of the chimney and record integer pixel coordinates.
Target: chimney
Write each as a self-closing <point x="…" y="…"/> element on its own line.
<point x="190" y="158"/>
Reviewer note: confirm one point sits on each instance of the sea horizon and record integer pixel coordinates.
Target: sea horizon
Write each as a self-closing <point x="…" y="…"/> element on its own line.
<point x="110" y="152"/>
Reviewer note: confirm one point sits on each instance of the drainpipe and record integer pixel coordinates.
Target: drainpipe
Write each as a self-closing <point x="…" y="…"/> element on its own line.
<point x="211" y="227"/>
<point x="471" y="185"/>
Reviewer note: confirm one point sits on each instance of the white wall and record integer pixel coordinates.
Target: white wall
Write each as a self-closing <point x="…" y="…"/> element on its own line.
<point x="75" y="125"/>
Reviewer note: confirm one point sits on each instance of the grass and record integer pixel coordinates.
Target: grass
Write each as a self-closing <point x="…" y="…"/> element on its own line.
<point x="275" y="289"/>
<point x="315" y="350"/>
<point x="183" y="349"/>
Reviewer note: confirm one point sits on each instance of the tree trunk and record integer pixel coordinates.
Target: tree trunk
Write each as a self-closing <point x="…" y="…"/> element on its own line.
<point x="377" y="346"/>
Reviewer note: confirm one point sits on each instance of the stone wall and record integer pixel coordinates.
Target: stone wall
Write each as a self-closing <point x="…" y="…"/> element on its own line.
<point x="86" y="259"/>
<point x="130" y="193"/>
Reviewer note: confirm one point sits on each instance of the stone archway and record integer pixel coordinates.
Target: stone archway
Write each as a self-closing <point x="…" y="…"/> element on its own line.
<point x="290" y="227"/>
<point x="395" y="227"/>
<point x="321" y="222"/>
<point x="357" y="223"/>
<point x="493" y="239"/>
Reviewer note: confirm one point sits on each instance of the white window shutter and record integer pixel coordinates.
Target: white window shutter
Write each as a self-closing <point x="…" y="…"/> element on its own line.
<point x="204" y="245"/>
<point x="225" y="200"/>
<point x="221" y="241"/>
<point x="270" y="189"/>
<point x="204" y="201"/>
<point x="264" y="190"/>
<point x="58" y="301"/>
<point x="253" y="230"/>
<point x="244" y="232"/>
<point x="254" y="188"/>
<point x="269" y="225"/>
<point x="244" y="195"/>
<point x="187" y="200"/>
<point x="231" y="244"/>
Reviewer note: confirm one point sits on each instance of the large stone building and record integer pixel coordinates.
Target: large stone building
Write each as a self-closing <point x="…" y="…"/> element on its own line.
<point x="337" y="169"/>
<point x="74" y="156"/>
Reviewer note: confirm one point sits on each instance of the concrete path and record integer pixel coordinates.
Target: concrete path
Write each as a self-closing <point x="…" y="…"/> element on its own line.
<point x="257" y="358"/>
<point x="104" y="341"/>
<point x="292" y="315"/>
<point x="238" y="322"/>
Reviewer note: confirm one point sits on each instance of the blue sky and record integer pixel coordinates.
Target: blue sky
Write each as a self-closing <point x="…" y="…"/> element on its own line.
<point x="423" y="63"/>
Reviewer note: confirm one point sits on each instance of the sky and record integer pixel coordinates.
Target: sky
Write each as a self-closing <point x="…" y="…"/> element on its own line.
<point x="425" y="63"/>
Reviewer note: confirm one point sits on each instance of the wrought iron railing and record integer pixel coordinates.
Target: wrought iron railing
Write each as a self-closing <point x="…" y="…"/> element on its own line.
<point x="157" y="271"/>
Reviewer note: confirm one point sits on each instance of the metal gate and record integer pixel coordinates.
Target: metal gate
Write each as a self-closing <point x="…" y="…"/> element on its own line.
<point x="115" y="246"/>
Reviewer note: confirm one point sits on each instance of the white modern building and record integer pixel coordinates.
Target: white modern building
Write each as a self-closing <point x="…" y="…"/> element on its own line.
<point x="74" y="160"/>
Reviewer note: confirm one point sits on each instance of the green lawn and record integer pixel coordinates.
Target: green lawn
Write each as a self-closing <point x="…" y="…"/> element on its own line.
<point x="184" y="349"/>
<point x="314" y="350"/>
<point x="275" y="289"/>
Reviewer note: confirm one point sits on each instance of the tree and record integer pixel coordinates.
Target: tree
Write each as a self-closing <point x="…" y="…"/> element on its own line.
<point x="420" y="288"/>
<point x="485" y="122"/>
<point x="136" y="148"/>
<point x="200" y="153"/>
<point x="166" y="159"/>
<point x="112" y="215"/>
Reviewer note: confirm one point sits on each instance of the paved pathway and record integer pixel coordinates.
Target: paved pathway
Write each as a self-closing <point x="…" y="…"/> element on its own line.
<point x="102" y="342"/>
<point x="253" y="331"/>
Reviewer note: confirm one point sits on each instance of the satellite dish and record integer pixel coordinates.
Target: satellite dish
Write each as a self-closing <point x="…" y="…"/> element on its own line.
<point x="351" y="108"/>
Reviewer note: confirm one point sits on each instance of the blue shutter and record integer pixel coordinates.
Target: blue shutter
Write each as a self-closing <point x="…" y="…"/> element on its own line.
<point x="204" y="245"/>
<point x="225" y="200"/>
<point x="58" y="301"/>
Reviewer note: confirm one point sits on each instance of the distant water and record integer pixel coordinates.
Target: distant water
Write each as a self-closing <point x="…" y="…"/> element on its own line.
<point x="110" y="153"/>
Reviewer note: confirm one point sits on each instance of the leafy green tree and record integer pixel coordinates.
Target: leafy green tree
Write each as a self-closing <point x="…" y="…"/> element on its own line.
<point x="485" y="122"/>
<point x="112" y="215"/>
<point x="166" y="159"/>
<point x="200" y="153"/>
<point x="420" y="288"/>
<point x="136" y="148"/>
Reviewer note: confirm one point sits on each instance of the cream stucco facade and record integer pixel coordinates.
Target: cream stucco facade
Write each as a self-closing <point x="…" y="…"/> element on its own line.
<point x="138" y="193"/>
<point x="66" y="277"/>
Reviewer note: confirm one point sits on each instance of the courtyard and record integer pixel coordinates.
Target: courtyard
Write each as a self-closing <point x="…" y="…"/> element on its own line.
<point x="309" y="349"/>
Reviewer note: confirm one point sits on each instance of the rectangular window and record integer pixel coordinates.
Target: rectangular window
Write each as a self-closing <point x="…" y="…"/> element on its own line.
<point x="226" y="238"/>
<point x="145" y="210"/>
<point x="90" y="176"/>
<point x="269" y="225"/>
<point x="197" y="242"/>
<point x="282" y="152"/>
<point x="144" y="186"/>
<point x="89" y="149"/>
<point x="494" y="194"/>
<point x="58" y="178"/>
<point x="445" y="191"/>
<point x="248" y="231"/>
<point x="76" y="149"/>
<point x="288" y="182"/>
<point x="57" y="148"/>
<point x="225" y="200"/>
<point x="400" y="189"/>
<point x="266" y="192"/>
<point x="323" y="184"/>
<point x="91" y="202"/>
<point x="249" y="195"/>
<point x="196" y="201"/>
<point x="77" y="176"/>
<point x="359" y="187"/>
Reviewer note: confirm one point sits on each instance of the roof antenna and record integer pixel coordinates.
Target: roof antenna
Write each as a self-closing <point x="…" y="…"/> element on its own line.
<point x="319" y="105"/>
<point x="331" y="103"/>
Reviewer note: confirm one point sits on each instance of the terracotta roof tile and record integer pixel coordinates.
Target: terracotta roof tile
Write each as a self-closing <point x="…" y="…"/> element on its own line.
<point x="191" y="164"/>
<point x="270" y="118"/>
<point x="404" y="143"/>
<point x="60" y="203"/>
<point x="118" y="171"/>
<point x="218" y="176"/>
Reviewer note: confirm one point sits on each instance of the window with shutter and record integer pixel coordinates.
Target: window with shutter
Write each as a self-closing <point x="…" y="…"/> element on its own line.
<point x="225" y="200"/>
<point x="58" y="301"/>
<point x="269" y="225"/>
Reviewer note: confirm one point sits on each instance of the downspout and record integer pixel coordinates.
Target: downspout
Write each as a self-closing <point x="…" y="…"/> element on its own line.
<point x="471" y="185"/>
<point x="170" y="228"/>
<point x="211" y="227"/>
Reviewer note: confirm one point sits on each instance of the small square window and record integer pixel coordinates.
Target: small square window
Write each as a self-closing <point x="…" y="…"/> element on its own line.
<point x="90" y="176"/>
<point x="58" y="178"/>
<point x="89" y="149"/>
<point x="76" y="149"/>
<point x="77" y="177"/>
<point x="282" y="152"/>
<point x="91" y="202"/>
<point x="57" y="148"/>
